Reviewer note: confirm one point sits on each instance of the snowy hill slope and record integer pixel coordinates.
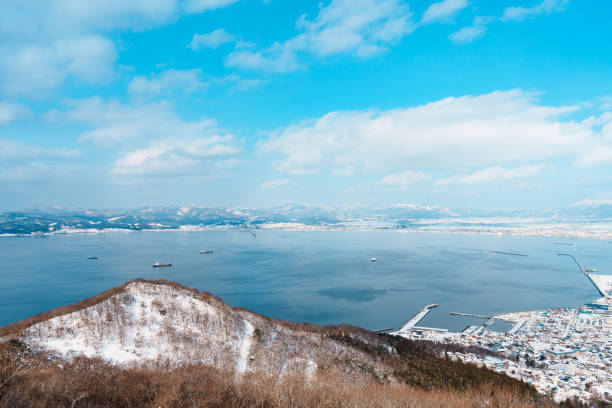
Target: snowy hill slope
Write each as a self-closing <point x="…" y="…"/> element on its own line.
<point x="157" y="343"/>
<point x="159" y="323"/>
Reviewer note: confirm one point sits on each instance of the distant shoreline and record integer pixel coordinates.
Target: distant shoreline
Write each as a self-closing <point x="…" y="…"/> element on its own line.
<point x="585" y="231"/>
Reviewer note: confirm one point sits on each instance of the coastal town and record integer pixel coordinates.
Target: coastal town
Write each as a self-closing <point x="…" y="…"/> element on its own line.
<point x="564" y="353"/>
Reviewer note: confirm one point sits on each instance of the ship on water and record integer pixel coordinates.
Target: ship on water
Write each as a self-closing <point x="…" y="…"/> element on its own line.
<point x="161" y="265"/>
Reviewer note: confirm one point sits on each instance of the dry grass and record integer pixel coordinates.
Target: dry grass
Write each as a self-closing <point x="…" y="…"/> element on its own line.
<point x="27" y="380"/>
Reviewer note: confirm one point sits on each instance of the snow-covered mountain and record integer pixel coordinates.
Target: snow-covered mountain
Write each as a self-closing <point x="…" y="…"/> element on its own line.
<point x="157" y="343"/>
<point x="584" y="215"/>
<point x="163" y="324"/>
<point x="591" y="209"/>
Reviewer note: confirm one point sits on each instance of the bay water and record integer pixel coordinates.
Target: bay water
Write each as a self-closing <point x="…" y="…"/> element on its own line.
<point x="323" y="277"/>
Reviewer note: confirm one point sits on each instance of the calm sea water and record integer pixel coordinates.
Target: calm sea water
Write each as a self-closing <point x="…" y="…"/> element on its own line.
<point x="321" y="277"/>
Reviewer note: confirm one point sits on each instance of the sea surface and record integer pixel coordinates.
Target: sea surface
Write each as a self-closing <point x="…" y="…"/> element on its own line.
<point x="323" y="277"/>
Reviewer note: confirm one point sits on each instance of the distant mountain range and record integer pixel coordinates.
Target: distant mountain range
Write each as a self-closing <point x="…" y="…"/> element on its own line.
<point x="295" y="216"/>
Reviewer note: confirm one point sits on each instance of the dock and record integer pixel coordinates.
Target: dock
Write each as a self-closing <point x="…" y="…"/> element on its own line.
<point x="489" y="322"/>
<point x="506" y="253"/>
<point x="599" y="281"/>
<point x="409" y="325"/>
<point x="434" y="329"/>
<point x="582" y="269"/>
<point x="603" y="283"/>
<point x="471" y="330"/>
<point x="490" y="319"/>
<point x="471" y="315"/>
<point x="517" y="326"/>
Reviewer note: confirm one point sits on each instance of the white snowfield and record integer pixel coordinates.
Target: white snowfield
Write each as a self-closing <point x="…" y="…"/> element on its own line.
<point x="150" y="324"/>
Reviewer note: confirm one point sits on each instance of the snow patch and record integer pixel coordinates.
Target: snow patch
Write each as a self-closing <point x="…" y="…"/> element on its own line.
<point x="245" y="347"/>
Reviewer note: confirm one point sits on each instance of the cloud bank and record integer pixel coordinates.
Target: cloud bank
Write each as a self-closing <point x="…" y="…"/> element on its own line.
<point x="468" y="132"/>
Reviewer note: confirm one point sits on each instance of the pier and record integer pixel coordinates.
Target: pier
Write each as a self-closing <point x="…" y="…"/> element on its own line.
<point x="490" y="319"/>
<point x="409" y="325"/>
<point x="603" y="283"/>
<point x="434" y="329"/>
<point x="517" y="326"/>
<point x="506" y="253"/>
<point x="471" y="330"/>
<point x="471" y="315"/>
<point x="582" y="268"/>
<point x="600" y="282"/>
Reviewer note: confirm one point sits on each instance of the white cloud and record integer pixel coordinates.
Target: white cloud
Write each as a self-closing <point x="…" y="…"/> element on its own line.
<point x="544" y="7"/>
<point x="176" y="156"/>
<point x="347" y="171"/>
<point x="465" y="132"/>
<point x="211" y="40"/>
<point x="245" y="84"/>
<point x="186" y="81"/>
<point x="590" y="202"/>
<point x="275" y="59"/>
<point x="150" y="139"/>
<point x="605" y="103"/>
<point x="479" y="25"/>
<point x="10" y="111"/>
<point x="404" y="178"/>
<point x="468" y="34"/>
<point x="53" y="19"/>
<point x="115" y="123"/>
<point x="29" y="19"/>
<point x="43" y="44"/>
<point x="494" y="174"/>
<point x="198" y="6"/>
<point x="34" y="68"/>
<point x="395" y="181"/>
<point x="600" y="152"/>
<point x="472" y="33"/>
<point x="43" y="173"/>
<point x="601" y="155"/>
<point x="11" y="150"/>
<point x="443" y="10"/>
<point x="274" y="184"/>
<point x="361" y="28"/>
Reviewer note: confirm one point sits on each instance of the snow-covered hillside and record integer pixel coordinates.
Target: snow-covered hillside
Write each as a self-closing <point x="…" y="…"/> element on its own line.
<point x="162" y="324"/>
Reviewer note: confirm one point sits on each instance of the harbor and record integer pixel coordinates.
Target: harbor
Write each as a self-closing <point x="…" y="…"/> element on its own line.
<point x="565" y="352"/>
<point x="603" y="283"/>
<point x="411" y="324"/>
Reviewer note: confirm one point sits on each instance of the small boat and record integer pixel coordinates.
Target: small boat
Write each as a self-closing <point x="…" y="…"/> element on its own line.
<point x="372" y="259"/>
<point x="92" y="257"/>
<point x="161" y="265"/>
<point x="206" y="251"/>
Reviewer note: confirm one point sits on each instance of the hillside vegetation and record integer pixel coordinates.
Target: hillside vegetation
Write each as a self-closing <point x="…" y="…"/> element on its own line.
<point x="159" y="344"/>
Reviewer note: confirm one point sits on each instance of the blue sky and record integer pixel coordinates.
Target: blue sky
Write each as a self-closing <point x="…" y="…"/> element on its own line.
<point x="457" y="103"/>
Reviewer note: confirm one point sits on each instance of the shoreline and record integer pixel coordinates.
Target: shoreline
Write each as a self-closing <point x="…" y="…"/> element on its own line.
<point x="565" y="351"/>
<point x="574" y="231"/>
